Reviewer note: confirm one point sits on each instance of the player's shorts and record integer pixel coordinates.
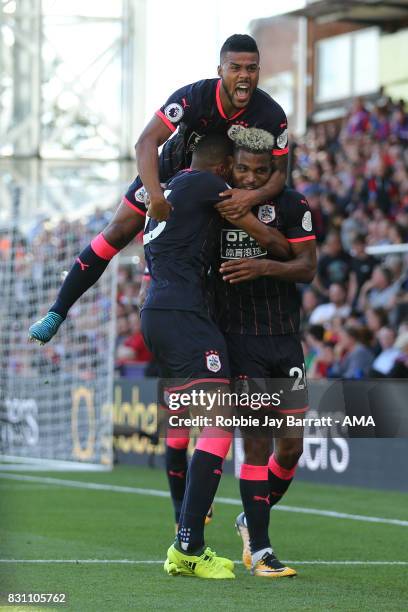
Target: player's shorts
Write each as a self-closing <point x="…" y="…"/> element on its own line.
<point x="171" y="161"/>
<point x="270" y="365"/>
<point x="188" y="346"/>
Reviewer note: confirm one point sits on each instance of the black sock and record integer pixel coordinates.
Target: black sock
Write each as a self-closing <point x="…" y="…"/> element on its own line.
<point x="254" y="488"/>
<point x="279" y="480"/>
<point x="176" y="468"/>
<point x="87" y="269"/>
<point x="204" y="475"/>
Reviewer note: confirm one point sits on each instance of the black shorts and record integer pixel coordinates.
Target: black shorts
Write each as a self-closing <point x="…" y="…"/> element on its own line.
<point x="270" y="364"/>
<point x="188" y="346"/>
<point x="171" y="160"/>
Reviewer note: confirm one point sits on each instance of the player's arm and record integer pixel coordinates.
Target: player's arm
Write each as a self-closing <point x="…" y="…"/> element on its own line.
<point x="267" y="237"/>
<point x="299" y="233"/>
<point x="153" y="136"/>
<point x="165" y="122"/>
<point x="300" y="269"/>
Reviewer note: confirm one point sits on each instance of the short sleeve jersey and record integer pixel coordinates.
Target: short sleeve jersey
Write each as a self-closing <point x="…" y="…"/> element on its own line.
<point x="264" y="306"/>
<point x="178" y="251"/>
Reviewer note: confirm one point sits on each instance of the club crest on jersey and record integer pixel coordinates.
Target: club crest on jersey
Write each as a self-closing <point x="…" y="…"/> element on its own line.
<point x="140" y="195"/>
<point x="282" y="139"/>
<point x="234" y="130"/>
<point x="174" y="112"/>
<point x="213" y="361"/>
<point x="307" y="221"/>
<point x="266" y="213"/>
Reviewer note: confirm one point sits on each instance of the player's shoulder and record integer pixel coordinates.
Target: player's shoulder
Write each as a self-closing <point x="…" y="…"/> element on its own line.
<point x="197" y="179"/>
<point x="203" y="86"/>
<point x="262" y="98"/>
<point x="291" y="197"/>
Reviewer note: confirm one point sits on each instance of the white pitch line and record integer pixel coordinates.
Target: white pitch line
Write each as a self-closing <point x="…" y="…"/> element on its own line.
<point x="77" y="484"/>
<point x="160" y="561"/>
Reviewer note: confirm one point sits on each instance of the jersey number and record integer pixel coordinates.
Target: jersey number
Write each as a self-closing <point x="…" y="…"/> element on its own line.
<point x="158" y="229"/>
<point x="300" y="377"/>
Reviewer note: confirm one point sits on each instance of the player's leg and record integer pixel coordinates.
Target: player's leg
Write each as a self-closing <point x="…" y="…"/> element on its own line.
<point x="92" y="262"/>
<point x="253" y="523"/>
<point x="177" y="442"/>
<point x="191" y="366"/>
<point x="250" y="358"/>
<point x="289" y="371"/>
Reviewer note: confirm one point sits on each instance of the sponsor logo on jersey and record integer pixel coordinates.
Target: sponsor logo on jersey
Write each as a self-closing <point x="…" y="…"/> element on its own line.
<point x="174" y="112"/>
<point x="213" y="361"/>
<point x="307" y="221"/>
<point x="140" y="195"/>
<point x="282" y="139"/>
<point x="234" y="130"/>
<point x="266" y="213"/>
<point x="235" y="244"/>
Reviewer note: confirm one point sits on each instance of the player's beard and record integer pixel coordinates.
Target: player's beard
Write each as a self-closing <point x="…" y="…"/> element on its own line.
<point x="231" y="97"/>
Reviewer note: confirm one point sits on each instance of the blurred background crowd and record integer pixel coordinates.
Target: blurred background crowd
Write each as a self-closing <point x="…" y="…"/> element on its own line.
<point x="354" y="174"/>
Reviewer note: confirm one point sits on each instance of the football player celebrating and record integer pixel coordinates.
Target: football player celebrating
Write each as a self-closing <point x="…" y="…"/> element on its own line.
<point x="258" y="310"/>
<point x="225" y="105"/>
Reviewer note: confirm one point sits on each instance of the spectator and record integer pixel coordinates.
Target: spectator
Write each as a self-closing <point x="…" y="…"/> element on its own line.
<point x="379" y="291"/>
<point x="384" y="363"/>
<point x="362" y="266"/>
<point x="334" y="265"/>
<point x="336" y="307"/>
<point x="354" y="360"/>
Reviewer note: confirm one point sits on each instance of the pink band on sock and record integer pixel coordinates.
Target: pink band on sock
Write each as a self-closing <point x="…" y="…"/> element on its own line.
<point x="178" y="438"/>
<point x="102" y="247"/>
<point x="211" y="441"/>
<point x="253" y="472"/>
<point x="279" y="471"/>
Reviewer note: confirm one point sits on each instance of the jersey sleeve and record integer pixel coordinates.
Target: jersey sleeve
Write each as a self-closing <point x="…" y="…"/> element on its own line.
<point x="276" y="123"/>
<point x="177" y="108"/>
<point x="298" y="218"/>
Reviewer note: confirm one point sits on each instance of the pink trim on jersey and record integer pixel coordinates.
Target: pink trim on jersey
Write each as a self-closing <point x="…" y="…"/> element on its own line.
<point x="210" y="443"/>
<point x="133" y="206"/>
<point x="163" y="117"/>
<point x="280" y="151"/>
<point x="304" y="239"/>
<point x="219" y="104"/>
<point x="279" y="471"/>
<point x="253" y="472"/>
<point x="178" y="438"/>
<point x="146" y="277"/>
<point x="102" y="248"/>
<point x="224" y="381"/>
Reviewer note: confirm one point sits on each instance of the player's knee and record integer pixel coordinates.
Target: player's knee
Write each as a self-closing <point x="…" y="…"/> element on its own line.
<point x="288" y="452"/>
<point x="118" y="234"/>
<point x="256" y="451"/>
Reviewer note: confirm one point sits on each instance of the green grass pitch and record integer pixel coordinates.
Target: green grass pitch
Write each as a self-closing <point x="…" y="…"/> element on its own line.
<point x="45" y="521"/>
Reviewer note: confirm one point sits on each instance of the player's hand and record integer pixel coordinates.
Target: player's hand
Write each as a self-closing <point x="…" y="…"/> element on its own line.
<point x="239" y="202"/>
<point x="240" y="270"/>
<point x="159" y="208"/>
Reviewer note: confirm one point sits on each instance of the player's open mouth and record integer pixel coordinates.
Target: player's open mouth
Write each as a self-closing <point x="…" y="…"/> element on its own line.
<point x="242" y="92"/>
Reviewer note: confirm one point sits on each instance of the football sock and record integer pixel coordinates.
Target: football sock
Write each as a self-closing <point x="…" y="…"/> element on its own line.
<point x="204" y="475"/>
<point x="176" y="468"/>
<point x="254" y="488"/>
<point x="87" y="269"/>
<point x="279" y="479"/>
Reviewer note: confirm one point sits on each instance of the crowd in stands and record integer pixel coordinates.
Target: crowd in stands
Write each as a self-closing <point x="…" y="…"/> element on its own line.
<point x="355" y="177"/>
<point x="355" y="313"/>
